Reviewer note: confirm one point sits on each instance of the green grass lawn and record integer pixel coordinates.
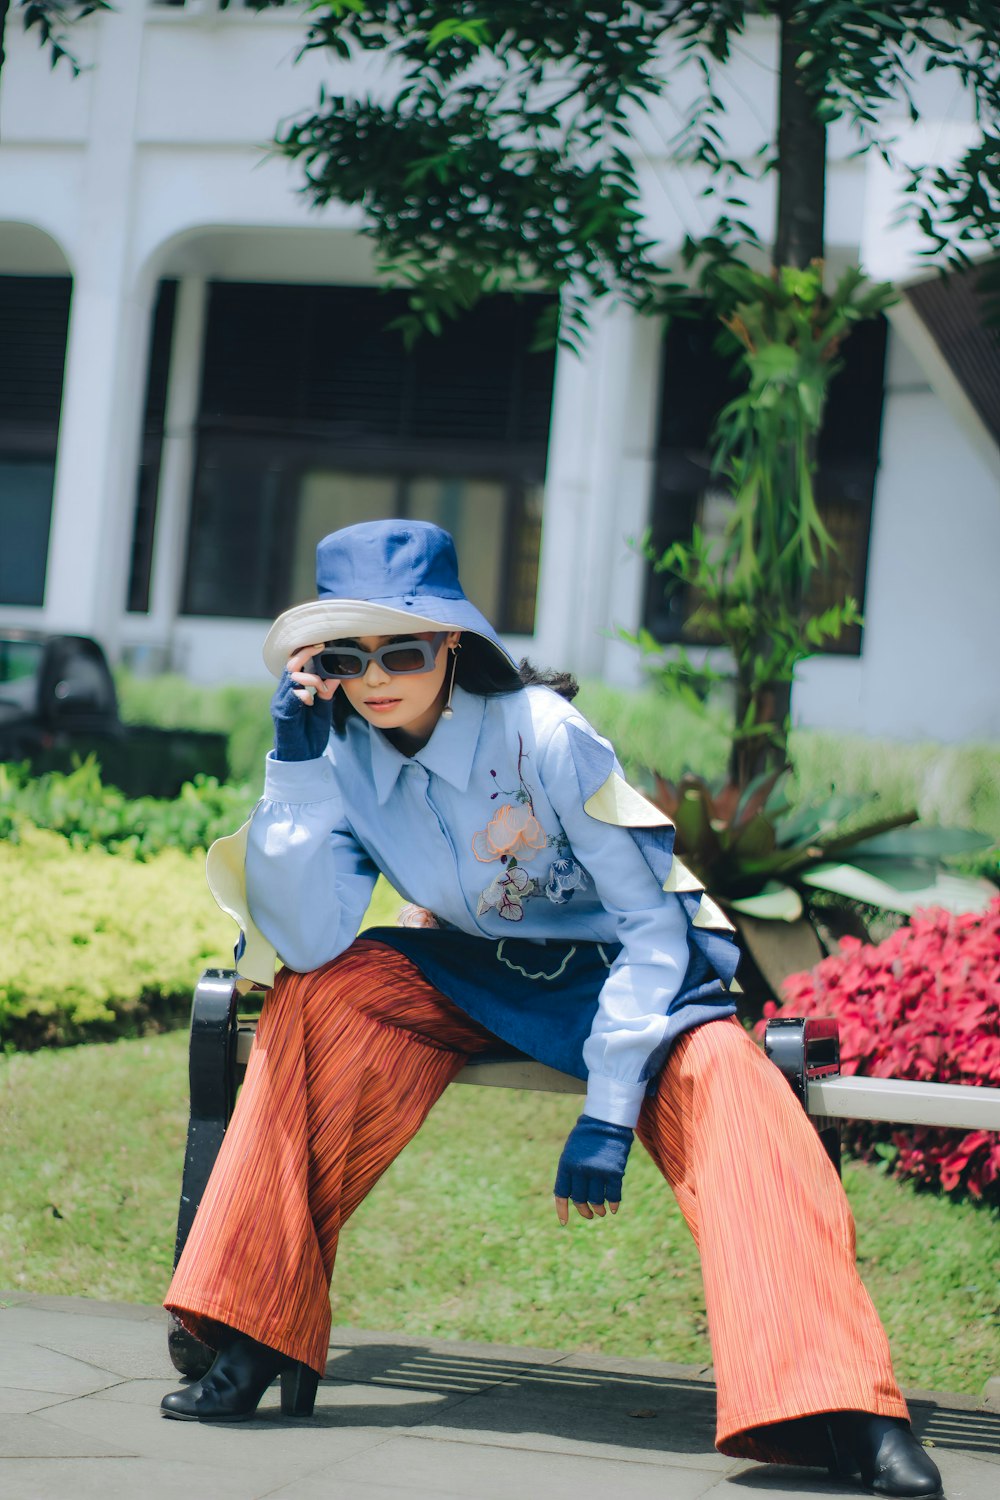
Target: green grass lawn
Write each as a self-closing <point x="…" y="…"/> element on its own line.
<point x="460" y="1239"/>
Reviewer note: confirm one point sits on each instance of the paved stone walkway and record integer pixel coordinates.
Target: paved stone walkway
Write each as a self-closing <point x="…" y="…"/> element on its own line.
<point x="81" y="1381"/>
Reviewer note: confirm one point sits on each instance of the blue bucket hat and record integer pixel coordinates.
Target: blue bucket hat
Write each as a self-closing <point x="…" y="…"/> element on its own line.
<point x="380" y="578"/>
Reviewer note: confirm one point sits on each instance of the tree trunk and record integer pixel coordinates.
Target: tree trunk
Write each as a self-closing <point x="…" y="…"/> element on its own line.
<point x="798" y="240"/>
<point x="798" y="237"/>
<point x="757" y="754"/>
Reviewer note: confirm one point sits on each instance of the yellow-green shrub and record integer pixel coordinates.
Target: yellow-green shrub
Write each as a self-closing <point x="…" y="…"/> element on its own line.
<point x="98" y="944"/>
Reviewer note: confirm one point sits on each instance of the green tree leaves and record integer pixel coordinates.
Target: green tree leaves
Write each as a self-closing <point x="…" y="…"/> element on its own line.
<point x="501" y="140"/>
<point x="51" y="18"/>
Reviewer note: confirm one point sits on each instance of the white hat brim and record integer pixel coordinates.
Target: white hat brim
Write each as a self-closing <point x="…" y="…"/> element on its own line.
<point x="324" y="620"/>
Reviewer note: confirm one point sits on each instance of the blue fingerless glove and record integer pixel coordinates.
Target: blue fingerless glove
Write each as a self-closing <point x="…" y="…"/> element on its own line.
<point x="301" y="732"/>
<point x="593" y="1161"/>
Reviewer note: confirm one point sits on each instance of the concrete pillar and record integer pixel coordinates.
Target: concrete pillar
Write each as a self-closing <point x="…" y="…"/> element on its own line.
<point x="173" y="500"/>
<point x="632" y="506"/>
<point x="596" y="493"/>
<point x="104" y="383"/>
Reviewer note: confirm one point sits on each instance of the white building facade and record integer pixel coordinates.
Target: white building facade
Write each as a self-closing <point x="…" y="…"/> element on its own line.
<point x="198" y="383"/>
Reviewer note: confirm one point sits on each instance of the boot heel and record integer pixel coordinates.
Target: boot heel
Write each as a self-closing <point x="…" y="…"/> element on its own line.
<point x="298" y="1391"/>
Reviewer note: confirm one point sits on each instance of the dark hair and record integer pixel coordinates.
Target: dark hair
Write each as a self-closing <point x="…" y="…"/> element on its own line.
<point x="563" y="683"/>
<point x="481" y="669"/>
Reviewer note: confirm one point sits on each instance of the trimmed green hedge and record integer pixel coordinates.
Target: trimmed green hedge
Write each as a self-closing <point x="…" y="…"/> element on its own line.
<point x="242" y="712"/>
<point x="79" y="806"/>
<point x="956" y="784"/>
<point x="98" y="945"/>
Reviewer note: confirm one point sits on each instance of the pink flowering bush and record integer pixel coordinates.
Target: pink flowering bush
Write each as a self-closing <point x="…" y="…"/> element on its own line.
<point x="925" y="1004"/>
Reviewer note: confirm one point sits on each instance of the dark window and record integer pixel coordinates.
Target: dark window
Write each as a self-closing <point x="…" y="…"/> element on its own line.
<point x="313" y="416"/>
<point x="696" y="383"/>
<point x="151" y="447"/>
<point x="34" y="317"/>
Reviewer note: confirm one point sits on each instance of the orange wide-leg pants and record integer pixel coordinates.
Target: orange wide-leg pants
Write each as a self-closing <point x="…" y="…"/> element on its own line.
<point x="347" y="1064"/>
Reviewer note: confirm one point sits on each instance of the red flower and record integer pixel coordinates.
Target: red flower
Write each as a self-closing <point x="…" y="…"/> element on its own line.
<point x="924" y="1004"/>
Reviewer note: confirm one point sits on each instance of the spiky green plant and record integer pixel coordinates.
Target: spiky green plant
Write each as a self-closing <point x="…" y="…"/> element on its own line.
<point x="764" y="858"/>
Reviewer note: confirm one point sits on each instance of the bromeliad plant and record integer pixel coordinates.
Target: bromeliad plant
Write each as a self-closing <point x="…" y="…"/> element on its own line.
<point x="764" y="858"/>
<point x="751" y="583"/>
<point x="775" y="867"/>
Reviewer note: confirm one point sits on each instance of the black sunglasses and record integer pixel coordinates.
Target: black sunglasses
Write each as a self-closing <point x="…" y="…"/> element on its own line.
<point x="398" y="658"/>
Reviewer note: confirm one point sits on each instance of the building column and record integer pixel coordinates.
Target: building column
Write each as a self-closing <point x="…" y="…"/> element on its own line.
<point x="96" y="464"/>
<point x="104" y="383"/>
<point x="173" y="498"/>
<point x="631" y="507"/>
<point x="596" y="493"/>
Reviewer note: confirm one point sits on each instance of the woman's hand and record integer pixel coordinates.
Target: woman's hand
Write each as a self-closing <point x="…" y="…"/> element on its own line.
<point x="591" y="1168"/>
<point x="301" y="709"/>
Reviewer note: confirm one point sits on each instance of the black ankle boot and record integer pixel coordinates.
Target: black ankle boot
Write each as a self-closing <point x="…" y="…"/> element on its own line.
<point x="233" y="1387"/>
<point x="884" y="1454"/>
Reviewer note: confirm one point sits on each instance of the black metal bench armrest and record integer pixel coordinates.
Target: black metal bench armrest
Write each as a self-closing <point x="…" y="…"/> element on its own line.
<point x="212" y="1075"/>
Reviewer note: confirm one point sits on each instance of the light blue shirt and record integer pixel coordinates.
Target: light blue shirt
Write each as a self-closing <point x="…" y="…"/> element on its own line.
<point x="500" y="777"/>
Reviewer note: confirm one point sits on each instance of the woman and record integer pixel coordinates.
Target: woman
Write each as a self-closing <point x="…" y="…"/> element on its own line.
<point x="552" y="916"/>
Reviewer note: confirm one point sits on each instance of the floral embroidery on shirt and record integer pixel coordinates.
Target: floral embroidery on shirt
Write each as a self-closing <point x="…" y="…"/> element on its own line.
<point x="514" y="835"/>
<point x="513" y="829"/>
<point x="506" y="893"/>
<point x="566" y="874"/>
<point x="565" y="877"/>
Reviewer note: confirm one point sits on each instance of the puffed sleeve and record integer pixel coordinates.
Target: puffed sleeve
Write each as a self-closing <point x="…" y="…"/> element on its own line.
<point x="670" y="974"/>
<point x="308" y="880"/>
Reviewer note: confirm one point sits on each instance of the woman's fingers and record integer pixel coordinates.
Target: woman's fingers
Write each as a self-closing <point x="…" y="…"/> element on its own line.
<point x="298" y="658"/>
<point x="585" y="1210"/>
<point x="312" y="688"/>
<point x="310" y="685"/>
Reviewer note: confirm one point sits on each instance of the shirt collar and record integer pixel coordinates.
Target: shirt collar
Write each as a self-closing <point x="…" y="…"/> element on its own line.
<point x="449" y="752"/>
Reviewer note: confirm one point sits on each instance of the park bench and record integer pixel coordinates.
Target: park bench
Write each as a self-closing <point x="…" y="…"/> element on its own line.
<point x="807" y="1051"/>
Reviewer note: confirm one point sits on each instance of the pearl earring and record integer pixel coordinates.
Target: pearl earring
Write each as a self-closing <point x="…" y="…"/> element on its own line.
<point x="448" y="712"/>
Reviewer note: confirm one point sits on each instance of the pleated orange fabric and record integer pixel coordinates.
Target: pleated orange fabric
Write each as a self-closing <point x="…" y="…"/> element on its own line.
<point x="348" y="1062"/>
<point x="345" y="1067"/>
<point x="793" y="1330"/>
